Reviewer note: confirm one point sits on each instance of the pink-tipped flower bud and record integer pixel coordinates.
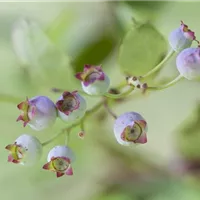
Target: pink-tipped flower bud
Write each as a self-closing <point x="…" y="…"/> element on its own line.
<point x="71" y="106"/>
<point x="181" y="38"/>
<point x="38" y="112"/>
<point x="130" y="128"/>
<point x="188" y="63"/>
<point x="93" y="80"/>
<point x="26" y="150"/>
<point x="59" y="161"/>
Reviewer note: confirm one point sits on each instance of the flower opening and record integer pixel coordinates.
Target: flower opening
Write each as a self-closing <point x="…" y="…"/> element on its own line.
<point x="69" y="103"/>
<point x="90" y="74"/>
<point x="60" y="165"/>
<point x="17" y="153"/>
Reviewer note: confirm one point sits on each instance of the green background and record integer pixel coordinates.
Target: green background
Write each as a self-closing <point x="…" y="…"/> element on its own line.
<point x="91" y="33"/>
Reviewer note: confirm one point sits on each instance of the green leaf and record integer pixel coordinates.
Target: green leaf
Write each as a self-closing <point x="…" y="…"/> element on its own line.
<point x="142" y="49"/>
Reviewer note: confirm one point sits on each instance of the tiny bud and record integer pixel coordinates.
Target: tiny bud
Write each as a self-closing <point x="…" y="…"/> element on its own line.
<point x="38" y="112"/>
<point x="71" y="106"/>
<point x="135" y="81"/>
<point x="59" y="161"/>
<point x="81" y="134"/>
<point x="93" y="80"/>
<point x="188" y="63"/>
<point x="181" y="38"/>
<point x="130" y="128"/>
<point x="26" y="150"/>
<point x="138" y="86"/>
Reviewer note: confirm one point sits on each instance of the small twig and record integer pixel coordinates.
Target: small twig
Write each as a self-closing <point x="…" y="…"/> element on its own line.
<point x="87" y="114"/>
<point x="108" y="109"/>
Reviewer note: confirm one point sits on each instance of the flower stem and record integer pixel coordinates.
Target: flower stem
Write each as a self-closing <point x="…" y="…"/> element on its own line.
<point x="108" y="109"/>
<point x="119" y="96"/>
<point x="157" y="67"/>
<point x="171" y="83"/>
<point x="53" y="138"/>
<point x="87" y="114"/>
<point x="82" y="125"/>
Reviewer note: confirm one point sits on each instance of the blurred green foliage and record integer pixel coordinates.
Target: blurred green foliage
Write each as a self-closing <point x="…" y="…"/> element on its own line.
<point x="69" y="35"/>
<point x="142" y="48"/>
<point x="102" y="48"/>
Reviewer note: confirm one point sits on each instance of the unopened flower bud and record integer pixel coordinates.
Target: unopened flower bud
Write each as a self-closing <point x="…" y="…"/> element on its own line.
<point x="71" y="106"/>
<point x="188" y="63"/>
<point x="26" y="150"/>
<point x="38" y="112"/>
<point x="94" y="81"/>
<point x="59" y="161"/>
<point x="130" y="128"/>
<point x="181" y="38"/>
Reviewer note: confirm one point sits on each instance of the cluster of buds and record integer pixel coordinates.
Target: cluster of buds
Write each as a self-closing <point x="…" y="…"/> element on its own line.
<point x="130" y="128"/>
<point x="188" y="59"/>
<point x="136" y="82"/>
<point x="40" y="112"/>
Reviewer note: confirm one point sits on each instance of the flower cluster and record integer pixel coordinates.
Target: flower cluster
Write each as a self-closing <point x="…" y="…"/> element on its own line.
<point x="40" y="112"/>
<point x="188" y="59"/>
<point x="129" y="128"/>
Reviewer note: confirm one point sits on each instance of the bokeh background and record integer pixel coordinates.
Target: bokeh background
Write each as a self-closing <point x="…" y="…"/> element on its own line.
<point x="64" y="37"/>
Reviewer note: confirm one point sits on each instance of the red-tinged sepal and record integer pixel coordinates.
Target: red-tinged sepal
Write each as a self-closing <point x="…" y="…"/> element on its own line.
<point x="80" y="76"/>
<point x="11" y="159"/>
<point x="142" y="139"/>
<point x="141" y="123"/>
<point x="59" y="174"/>
<point x="24" y="107"/>
<point x="49" y="166"/>
<point x="19" y="118"/>
<point x="15" y="153"/>
<point x="9" y="147"/>
<point x="69" y="171"/>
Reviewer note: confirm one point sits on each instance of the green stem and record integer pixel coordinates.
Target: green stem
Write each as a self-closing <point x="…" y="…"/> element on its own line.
<point x="107" y="108"/>
<point x="157" y="67"/>
<point x="82" y="126"/>
<point x="87" y="114"/>
<point x="53" y="138"/>
<point x="171" y="83"/>
<point x="121" y="85"/>
<point x="119" y="96"/>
